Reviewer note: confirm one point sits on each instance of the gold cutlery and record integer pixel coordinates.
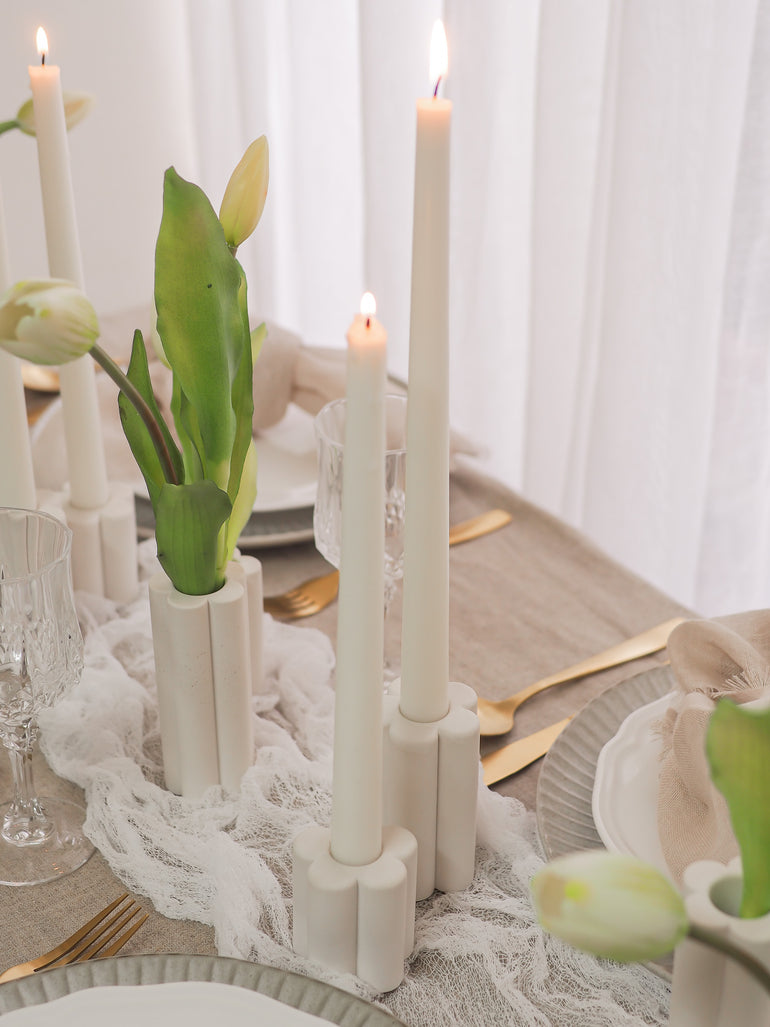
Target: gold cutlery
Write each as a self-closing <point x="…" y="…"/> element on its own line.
<point x="39" y="379"/>
<point x="312" y="596"/>
<point x="496" y="718"/>
<point x="519" y="754"/>
<point x="89" y="942"/>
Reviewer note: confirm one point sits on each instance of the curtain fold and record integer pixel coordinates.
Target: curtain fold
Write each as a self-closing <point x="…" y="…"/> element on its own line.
<point x="610" y="225"/>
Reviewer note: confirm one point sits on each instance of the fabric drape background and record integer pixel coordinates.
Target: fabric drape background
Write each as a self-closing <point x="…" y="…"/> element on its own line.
<point x="610" y="264"/>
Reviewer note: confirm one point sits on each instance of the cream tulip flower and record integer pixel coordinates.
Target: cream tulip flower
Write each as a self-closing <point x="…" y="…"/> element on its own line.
<point x="47" y="321"/>
<point x="245" y="195"/>
<point x="611" y="905"/>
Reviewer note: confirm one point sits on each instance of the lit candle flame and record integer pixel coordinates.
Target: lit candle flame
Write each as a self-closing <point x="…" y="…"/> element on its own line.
<point x="438" y="54"/>
<point x="42" y="43"/>
<point x="368" y="305"/>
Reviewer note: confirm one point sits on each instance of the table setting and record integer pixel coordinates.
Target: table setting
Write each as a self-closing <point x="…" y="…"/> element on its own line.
<point x="328" y="808"/>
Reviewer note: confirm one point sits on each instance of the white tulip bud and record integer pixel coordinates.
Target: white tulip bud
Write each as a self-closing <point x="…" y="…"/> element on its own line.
<point x="47" y="322"/>
<point x="245" y="195"/>
<point x="610" y="905"/>
<point x="76" y="107"/>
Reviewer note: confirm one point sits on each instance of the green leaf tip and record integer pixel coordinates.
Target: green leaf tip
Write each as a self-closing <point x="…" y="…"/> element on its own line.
<point x="738" y="751"/>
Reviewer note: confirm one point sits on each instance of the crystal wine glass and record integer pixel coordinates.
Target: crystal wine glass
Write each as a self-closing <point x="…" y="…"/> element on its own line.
<point x="41" y="657"/>
<point x="327" y="516"/>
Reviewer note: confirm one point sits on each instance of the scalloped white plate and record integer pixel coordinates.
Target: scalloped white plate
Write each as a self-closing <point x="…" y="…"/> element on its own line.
<point x="625" y="793"/>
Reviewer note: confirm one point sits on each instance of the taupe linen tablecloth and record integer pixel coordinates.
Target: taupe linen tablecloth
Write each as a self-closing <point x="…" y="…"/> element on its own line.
<point x="525" y="602"/>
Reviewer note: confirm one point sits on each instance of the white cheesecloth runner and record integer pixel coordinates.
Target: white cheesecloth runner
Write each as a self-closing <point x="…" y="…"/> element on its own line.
<point x="480" y="957"/>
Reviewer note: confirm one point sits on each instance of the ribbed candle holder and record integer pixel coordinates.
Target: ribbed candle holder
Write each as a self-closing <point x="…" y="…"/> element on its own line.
<point x="208" y="664"/>
<point x="356" y="919"/>
<point x="104" y="547"/>
<point x="431" y="773"/>
<point x="709" y="989"/>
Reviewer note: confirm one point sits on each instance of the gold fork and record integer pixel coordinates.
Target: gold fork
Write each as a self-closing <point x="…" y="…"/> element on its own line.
<point x="88" y="942"/>
<point x="496" y="718"/>
<point x="312" y="596"/>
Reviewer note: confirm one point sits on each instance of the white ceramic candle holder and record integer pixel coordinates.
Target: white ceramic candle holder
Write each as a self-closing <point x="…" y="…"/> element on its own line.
<point x="709" y="989"/>
<point x="356" y="919"/>
<point x="207" y="661"/>
<point x="430" y="773"/>
<point x="104" y="547"/>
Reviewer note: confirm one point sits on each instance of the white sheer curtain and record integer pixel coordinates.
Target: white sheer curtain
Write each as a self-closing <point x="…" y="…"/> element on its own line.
<point x="610" y="208"/>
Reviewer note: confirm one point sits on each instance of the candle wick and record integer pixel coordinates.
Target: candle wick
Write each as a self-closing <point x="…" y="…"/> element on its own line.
<point x="368" y="322"/>
<point x="435" y="91"/>
<point x="42" y="58"/>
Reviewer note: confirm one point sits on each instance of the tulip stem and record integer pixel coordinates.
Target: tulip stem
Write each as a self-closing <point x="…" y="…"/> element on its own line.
<point x="6" y="126"/>
<point x="745" y="959"/>
<point x="127" y="387"/>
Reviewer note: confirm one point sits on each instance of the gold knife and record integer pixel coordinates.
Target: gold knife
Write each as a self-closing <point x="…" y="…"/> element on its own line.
<point x="519" y="754"/>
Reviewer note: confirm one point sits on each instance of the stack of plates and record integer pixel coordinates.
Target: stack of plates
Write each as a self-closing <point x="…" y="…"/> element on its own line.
<point x="598" y="785"/>
<point x="286" y="473"/>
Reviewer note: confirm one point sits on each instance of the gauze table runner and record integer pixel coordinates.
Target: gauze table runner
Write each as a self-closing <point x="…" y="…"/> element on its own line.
<point x="480" y="957"/>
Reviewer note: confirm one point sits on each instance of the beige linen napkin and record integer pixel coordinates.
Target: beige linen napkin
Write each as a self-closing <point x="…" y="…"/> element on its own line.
<point x="710" y="658"/>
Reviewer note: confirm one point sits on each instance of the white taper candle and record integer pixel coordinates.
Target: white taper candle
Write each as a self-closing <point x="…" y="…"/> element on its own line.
<point x="425" y="632"/>
<point x="17" y="483"/>
<point x="87" y="470"/>
<point x="356" y="825"/>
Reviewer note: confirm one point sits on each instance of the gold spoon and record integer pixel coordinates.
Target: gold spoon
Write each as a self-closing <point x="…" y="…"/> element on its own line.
<point x="496" y="718"/>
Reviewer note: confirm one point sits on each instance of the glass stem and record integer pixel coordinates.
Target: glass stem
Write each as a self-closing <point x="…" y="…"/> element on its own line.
<point x="25" y="822"/>
<point x="392" y="639"/>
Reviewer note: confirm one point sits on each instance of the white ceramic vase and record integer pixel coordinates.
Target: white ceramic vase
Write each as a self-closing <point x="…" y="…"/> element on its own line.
<point x="208" y="664"/>
<point x="709" y="989"/>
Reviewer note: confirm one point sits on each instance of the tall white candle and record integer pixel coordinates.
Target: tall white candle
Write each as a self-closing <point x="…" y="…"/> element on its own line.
<point x="87" y="470"/>
<point x="17" y="483"/>
<point x="425" y="633"/>
<point x="356" y="825"/>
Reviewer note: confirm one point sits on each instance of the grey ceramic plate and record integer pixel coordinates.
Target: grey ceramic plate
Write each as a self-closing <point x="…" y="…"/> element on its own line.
<point x="304" y="993"/>
<point x="566" y="783"/>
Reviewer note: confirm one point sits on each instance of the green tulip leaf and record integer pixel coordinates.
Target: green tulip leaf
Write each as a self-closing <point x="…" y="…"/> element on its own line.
<point x="136" y="431"/>
<point x="200" y="323"/>
<point x="738" y="750"/>
<point x="258" y="336"/>
<point x="188" y="522"/>
<point x="188" y="430"/>
<point x="242" y="396"/>
<point x="243" y="504"/>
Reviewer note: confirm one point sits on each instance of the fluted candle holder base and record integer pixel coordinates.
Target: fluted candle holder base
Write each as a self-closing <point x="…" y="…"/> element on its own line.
<point x="208" y="664"/>
<point x="708" y="989"/>
<point x="104" y="546"/>
<point x="431" y="773"/>
<point x="356" y="919"/>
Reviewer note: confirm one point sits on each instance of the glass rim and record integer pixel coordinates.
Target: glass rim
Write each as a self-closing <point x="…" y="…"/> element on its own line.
<point x="341" y="401"/>
<point x="39" y="515"/>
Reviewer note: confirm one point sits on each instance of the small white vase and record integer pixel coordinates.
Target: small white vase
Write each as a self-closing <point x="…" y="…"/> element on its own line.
<point x="709" y="989"/>
<point x="208" y="664"/>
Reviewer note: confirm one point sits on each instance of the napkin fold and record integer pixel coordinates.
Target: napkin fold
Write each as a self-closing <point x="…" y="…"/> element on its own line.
<point x="728" y="656"/>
